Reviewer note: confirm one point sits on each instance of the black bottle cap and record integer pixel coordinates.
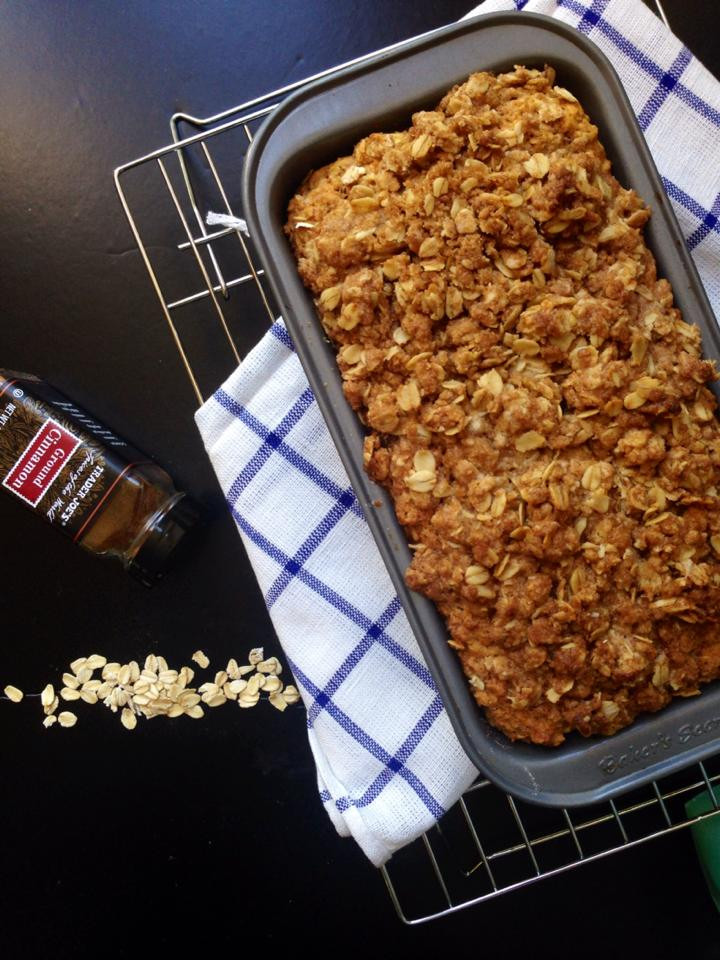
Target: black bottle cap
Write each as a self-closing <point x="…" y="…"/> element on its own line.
<point x="165" y="533"/>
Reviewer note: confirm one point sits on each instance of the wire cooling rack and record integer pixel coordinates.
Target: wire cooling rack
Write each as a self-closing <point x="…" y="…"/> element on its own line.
<point x="210" y="289"/>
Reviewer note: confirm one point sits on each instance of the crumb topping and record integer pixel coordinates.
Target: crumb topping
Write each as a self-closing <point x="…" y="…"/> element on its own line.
<point x="535" y="404"/>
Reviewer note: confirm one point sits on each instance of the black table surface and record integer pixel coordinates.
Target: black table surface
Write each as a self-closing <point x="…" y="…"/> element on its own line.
<point x="207" y="831"/>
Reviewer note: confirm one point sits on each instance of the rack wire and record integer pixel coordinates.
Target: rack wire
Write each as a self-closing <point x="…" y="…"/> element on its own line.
<point x="489" y="843"/>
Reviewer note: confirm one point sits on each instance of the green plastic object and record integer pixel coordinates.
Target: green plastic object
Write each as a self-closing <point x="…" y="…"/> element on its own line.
<point x="706" y="835"/>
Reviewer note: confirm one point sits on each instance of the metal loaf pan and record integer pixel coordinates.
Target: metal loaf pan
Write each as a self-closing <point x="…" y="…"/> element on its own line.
<point x="322" y="122"/>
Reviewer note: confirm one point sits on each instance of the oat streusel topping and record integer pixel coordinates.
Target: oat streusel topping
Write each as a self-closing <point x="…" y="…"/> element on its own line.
<point x="536" y="405"/>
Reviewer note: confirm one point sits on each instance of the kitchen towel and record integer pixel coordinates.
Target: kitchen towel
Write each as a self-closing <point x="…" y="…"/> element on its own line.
<point x="387" y="759"/>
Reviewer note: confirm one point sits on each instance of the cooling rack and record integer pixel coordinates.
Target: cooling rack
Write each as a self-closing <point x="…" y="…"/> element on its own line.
<point x="210" y="289"/>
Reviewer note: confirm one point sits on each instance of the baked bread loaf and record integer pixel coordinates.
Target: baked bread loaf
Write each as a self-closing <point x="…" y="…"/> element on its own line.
<point x="535" y="404"/>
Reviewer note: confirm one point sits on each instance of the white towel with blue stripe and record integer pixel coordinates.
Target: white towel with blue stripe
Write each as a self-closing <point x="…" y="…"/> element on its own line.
<point x="387" y="759"/>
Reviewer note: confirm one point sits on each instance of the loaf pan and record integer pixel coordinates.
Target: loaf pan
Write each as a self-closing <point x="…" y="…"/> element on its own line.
<point x="323" y="121"/>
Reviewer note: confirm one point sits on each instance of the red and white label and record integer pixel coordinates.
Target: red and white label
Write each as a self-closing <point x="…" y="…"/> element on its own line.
<point x="41" y="462"/>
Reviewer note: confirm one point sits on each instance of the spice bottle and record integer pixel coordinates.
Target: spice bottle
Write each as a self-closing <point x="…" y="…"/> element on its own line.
<point x="86" y="481"/>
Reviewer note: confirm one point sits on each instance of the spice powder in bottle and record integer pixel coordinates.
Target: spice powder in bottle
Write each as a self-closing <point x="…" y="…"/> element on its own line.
<point x="84" y="480"/>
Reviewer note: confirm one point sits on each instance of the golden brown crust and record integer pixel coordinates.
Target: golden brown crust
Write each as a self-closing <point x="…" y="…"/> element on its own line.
<point x="536" y="405"/>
